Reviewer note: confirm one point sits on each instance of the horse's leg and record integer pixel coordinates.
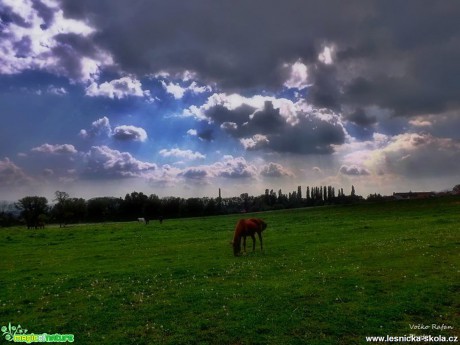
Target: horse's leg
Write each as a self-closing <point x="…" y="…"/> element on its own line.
<point x="260" y="239"/>
<point x="244" y="243"/>
<point x="253" y="242"/>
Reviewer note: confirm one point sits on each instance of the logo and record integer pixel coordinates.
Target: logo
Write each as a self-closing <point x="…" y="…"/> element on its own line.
<point x="18" y="334"/>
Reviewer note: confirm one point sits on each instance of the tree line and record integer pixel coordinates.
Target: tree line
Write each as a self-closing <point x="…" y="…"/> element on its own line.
<point x="35" y="211"/>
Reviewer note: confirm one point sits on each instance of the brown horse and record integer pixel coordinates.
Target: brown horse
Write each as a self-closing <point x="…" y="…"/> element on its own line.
<point x="247" y="227"/>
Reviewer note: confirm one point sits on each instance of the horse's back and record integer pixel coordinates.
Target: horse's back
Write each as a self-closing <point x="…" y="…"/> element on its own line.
<point x="250" y="226"/>
<point x="257" y="224"/>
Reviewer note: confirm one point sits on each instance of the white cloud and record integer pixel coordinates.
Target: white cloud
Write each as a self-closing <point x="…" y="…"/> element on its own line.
<point x="353" y="170"/>
<point x="186" y="154"/>
<point x="229" y="126"/>
<point x="179" y="91"/>
<point x="298" y="77"/>
<point x="287" y="108"/>
<point x="102" y="161"/>
<point x="129" y="133"/>
<point x="317" y="170"/>
<point x="48" y="172"/>
<point x="102" y="127"/>
<point x="326" y="56"/>
<point x="275" y="170"/>
<point x="229" y="168"/>
<point x="118" y="88"/>
<point x="31" y="41"/>
<point x="257" y="141"/>
<point x="98" y="127"/>
<point x="64" y="149"/>
<point x="276" y="124"/>
<point x="410" y="154"/>
<point x="11" y="174"/>
<point x="419" y="122"/>
<point x="197" y="174"/>
<point x="174" y="89"/>
<point x="192" y="132"/>
<point x="59" y="91"/>
<point x="234" y="167"/>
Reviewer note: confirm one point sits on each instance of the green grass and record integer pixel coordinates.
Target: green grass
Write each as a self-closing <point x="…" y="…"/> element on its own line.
<point x="328" y="275"/>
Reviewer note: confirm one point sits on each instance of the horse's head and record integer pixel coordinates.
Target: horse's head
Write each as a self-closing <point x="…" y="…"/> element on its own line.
<point x="236" y="247"/>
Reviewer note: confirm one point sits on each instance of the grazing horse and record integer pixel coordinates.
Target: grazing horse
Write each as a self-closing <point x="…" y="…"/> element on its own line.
<point x="247" y="227"/>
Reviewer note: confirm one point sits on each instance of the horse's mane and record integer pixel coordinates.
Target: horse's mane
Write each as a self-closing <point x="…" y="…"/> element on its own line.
<point x="239" y="230"/>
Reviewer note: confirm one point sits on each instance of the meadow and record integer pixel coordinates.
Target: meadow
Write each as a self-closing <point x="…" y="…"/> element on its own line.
<point x="328" y="275"/>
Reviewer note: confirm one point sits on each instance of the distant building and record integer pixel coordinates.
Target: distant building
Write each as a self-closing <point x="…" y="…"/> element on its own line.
<point x="413" y="195"/>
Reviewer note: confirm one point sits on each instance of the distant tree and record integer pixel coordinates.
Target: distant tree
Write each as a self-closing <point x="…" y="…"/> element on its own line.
<point x="244" y="202"/>
<point x="61" y="210"/>
<point x="211" y="207"/>
<point x="68" y="210"/>
<point x="104" y="209"/>
<point x="153" y="207"/>
<point x="353" y="193"/>
<point x="7" y="214"/>
<point x="33" y="210"/>
<point x="456" y="190"/>
<point x="6" y="206"/>
<point x="374" y="197"/>
<point x="173" y="207"/>
<point x="61" y="196"/>
<point x="135" y="205"/>
<point x="194" y="207"/>
<point x="280" y="196"/>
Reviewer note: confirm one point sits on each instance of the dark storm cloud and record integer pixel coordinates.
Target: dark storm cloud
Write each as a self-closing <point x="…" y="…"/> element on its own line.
<point x="80" y="45"/>
<point x="359" y="117"/>
<point x="23" y="47"/>
<point x="221" y="114"/>
<point x="353" y="170"/>
<point x="237" y="44"/>
<point x="45" y="12"/>
<point x="267" y="121"/>
<point x="399" y="56"/>
<point x="206" y="135"/>
<point x="8" y="16"/>
<point x="325" y="91"/>
<point x="268" y="129"/>
<point x="311" y="135"/>
<point x="245" y="120"/>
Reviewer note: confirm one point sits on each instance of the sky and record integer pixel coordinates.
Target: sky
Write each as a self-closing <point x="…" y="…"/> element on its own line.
<point x="181" y="98"/>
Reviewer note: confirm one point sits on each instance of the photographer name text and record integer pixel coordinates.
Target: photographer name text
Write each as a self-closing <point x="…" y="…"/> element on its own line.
<point x="442" y="327"/>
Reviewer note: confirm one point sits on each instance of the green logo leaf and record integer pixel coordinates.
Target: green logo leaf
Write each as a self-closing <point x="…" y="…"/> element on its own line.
<point x="10" y="331"/>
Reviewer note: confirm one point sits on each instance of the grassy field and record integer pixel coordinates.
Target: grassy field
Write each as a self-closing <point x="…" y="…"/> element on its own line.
<point x="328" y="275"/>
